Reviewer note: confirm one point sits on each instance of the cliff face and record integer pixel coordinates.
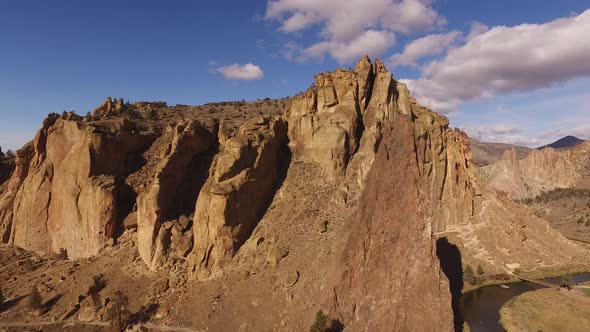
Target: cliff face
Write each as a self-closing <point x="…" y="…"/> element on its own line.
<point x="338" y="123"/>
<point x="393" y="279"/>
<point x="63" y="193"/>
<point x="173" y="185"/>
<point x="541" y="170"/>
<point x="241" y="184"/>
<point x="247" y="195"/>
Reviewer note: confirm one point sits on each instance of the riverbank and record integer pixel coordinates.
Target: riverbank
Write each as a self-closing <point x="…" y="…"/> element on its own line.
<point x="547" y="310"/>
<point x="537" y="274"/>
<point x="480" y="308"/>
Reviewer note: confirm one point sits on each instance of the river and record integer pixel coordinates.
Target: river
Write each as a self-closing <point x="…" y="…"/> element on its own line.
<point x="480" y="308"/>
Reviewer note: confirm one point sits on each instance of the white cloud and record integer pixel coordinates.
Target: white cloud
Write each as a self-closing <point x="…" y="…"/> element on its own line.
<point x="515" y="134"/>
<point x="371" y="42"/>
<point x="477" y="29"/>
<point x="506" y="59"/>
<point x="248" y="71"/>
<point x="430" y="45"/>
<point x="501" y="133"/>
<point x="581" y="131"/>
<point x="343" y="23"/>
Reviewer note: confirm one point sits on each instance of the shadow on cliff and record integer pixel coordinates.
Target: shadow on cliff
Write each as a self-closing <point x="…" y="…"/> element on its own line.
<point x="11" y="303"/>
<point x="195" y="176"/>
<point x="450" y="263"/>
<point x="284" y="163"/>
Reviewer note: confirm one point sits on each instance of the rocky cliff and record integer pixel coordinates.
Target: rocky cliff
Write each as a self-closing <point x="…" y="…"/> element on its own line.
<point x="330" y="198"/>
<point x="64" y="191"/>
<point x="542" y="170"/>
<point x="242" y="181"/>
<point x="338" y="123"/>
<point x="393" y="279"/>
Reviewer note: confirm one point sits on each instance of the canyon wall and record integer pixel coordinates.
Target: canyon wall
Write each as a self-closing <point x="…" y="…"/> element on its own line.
<point x="241" y="184"/>
<point x="393" y="279"/>
<point x="82" y="176"/>
<point x="338" y="123"/>
<point x="63" y="193"/>
<point x="541" y="170"/>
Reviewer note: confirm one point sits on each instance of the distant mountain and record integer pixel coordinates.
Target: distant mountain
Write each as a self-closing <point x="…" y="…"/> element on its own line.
<point x="488" y="153"/>
<point x="564" y="143"/>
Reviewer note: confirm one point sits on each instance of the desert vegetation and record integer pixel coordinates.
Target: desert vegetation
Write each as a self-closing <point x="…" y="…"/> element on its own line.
<point x="557" y="194"/>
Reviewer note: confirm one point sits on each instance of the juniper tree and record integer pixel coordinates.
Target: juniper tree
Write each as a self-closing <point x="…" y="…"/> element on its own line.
<point x="468" y="275"/>
<point x="35" y="300"/>
<point x="480" y="270"/>
<point x="320" y="324"/>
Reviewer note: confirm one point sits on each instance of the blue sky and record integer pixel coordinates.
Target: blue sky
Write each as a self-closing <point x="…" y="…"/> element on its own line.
<point x="69" y="55"/>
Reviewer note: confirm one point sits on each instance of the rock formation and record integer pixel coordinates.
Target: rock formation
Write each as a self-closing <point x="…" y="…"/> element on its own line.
<point x="326" y="123"/>
<point x="63" y="193"/>
<point x="393" y="279"/>
<point x="264" y="198"/>
<point x="340" y="121"/>
<point x="541" y="170"/>
<point x="161" y="200"/>
<point x="110" y="107"/>
<point x="242" y="180"/>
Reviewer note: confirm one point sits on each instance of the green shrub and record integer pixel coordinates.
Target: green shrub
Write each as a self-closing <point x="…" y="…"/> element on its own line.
<point x="468" y="275"/>
<point x="35" y="300"/>
<point x="567" y="282"/>
<point x="480" y="270"/>
<point x="320" y="324"/>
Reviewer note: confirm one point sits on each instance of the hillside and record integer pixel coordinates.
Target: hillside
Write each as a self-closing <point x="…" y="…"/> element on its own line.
<point x="564" y="143"/>
<point x="488" y="153"/>
<point x="566" y="209"/>
<point x="541" y="170"/>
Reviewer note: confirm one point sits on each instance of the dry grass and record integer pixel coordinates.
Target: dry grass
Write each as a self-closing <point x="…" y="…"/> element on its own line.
<point x="546" y="310"/>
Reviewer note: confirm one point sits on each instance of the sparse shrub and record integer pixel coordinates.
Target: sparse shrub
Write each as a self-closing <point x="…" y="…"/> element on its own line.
<point x="35" y="300"/>
<point x="468" y="275"/>
<point x="63" y="254"/>
<point x="566" y="282"/>
<point x="480" y="270"/>
<point x="320" y="324"/>
<point x="10" y="153"/>
<point x="118" y="311"/>
<point x="580" y="220"/>
<point x="1" y="297"/>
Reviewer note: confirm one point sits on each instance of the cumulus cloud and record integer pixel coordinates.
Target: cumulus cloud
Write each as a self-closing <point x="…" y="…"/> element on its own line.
<point x="515" y="134"/>
<point x="371" y="42"/>
<point x="236" y="71"/>
<point x="344" y="23"/>
<point x="430" y="45"/>
<point x="581" y="131"/>
<point x="506" y="59"/>
<point x="501" y="133"/>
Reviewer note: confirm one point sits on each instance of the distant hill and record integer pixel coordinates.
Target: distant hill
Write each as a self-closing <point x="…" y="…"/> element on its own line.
<point x="564" y="143"/>
<point x="488" y="153"/>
